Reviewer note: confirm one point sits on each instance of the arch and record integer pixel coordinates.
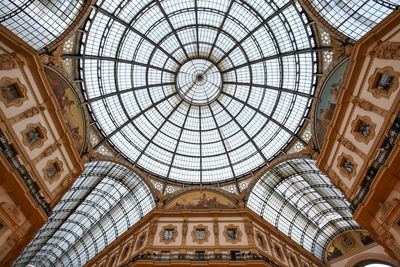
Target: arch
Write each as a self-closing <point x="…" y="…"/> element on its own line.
<point x="224" y="198"/>
<point x="104" y="202"/>
<point x="300" y="201"/>
<point x="370" y="256"/>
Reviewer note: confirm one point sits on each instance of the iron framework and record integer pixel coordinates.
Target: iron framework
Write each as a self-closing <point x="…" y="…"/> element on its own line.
<point x="102" y="204"/>
<point x="300" y="201"/>
<point x="131" y="53"/>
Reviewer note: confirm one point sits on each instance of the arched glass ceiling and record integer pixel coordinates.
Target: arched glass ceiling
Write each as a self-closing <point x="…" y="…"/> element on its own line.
<point x="354" y="18"/>
<point x="102" y="204"/>
<point x="38" y="22"/>
<point x="198" y="91"/>
<point x="300" y="201"/>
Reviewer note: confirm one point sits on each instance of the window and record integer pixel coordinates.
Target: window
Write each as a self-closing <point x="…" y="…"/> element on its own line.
<point x="126" y="251"/>
<point x="52" y="169"/>
<point x="168" y="234"/>
<point x="235" y="255"/>
<point x="384" y="82"/>
<point x="347" y="165"/>
<point x="201" y="234"/>
<point x="200" y="255"/>
<point x="278" y="251"/>
<point x="10" y="92"/>
<point x="260" y="240"/>
<point x="164" y="255"/>
<point x="33" y="135"/>
<point x="141" y="242"/>
<point x="363" y="128"/>
<point x="111" y="263"/>
<point x="232" y="234"/>
<point x="293" y="260"/>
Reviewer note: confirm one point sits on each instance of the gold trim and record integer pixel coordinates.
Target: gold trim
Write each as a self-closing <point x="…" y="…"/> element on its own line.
<point x="59" y="165"/>
<point x="42" y="132"/>
<point x="238" y="232"/>
<point x="200" y="227"/>
<point x="168" y="227"/>
<point x="374" y="79"/>
<point x="6" y="81"/>
<point x="343" y="171"/>
<point x="357" y="135"/>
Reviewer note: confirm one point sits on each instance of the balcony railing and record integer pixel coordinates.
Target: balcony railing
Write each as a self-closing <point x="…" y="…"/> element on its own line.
<point x="384" y="153"/>
<point x="201" y="257"/>
<point x="33" y="188"/>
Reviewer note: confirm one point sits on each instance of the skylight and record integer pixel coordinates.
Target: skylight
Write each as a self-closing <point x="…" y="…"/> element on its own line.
<point x="198" y="91"/>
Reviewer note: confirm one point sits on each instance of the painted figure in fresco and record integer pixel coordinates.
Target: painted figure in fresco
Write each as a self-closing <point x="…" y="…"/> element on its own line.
<point x="366" y="239"/>
<point x="334" y="252"/>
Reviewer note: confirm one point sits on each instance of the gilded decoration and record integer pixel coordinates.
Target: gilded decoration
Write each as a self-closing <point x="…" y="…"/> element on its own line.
<point x="53" y="170"/>
<point x="199" y="238"/>
<point x="347" y="243"/>
<point x="363" y="129"/>
<point x="344" y="170"/>
<point x="374" y="80"/>
<point x="12" y="92"/>
<point x="7" y="62"/>
<point x="200" y="200"/>
<point x="34" y="135"/>
<point x="228" y="230"/>
<point x="164" y="230"/>
<point x="387" y="50"/>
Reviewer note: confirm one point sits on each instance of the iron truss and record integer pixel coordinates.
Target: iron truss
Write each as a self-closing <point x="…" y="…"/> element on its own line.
<point x="300" y="201"/>
<point x="130" y="57"/>
<point x="354" y="18"/>
<point x="102" y="204"/>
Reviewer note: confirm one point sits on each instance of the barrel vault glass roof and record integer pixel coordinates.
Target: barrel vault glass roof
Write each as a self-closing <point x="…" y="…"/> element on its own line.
<point x="354" y="18"/>
<point x="39" y="22"/>
<point x="198" y="91"/>
<point x="300" y="201"/>
<point x="104" y="202"/>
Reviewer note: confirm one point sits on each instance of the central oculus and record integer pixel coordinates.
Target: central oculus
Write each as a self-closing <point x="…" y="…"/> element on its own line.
<point x="199" y="81"/>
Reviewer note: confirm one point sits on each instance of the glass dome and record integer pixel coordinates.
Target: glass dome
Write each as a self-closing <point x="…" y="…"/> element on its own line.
<point x="198" y="91"/>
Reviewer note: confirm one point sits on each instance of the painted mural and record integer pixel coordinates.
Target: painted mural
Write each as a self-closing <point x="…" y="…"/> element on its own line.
<point x="200" y="200"/>
<point x="347" y="243"/>
<point x="69" y="105"/>
<point x="326" y="106"/>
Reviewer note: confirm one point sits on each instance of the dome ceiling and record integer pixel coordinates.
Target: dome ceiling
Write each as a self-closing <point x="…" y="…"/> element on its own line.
<point x="198" y="91"/>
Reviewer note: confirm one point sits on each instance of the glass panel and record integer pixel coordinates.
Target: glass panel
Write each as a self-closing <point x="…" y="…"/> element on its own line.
<point x="199" y="95"/>
<point x="102" y="204"/>
<point x="300" y="201"/>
